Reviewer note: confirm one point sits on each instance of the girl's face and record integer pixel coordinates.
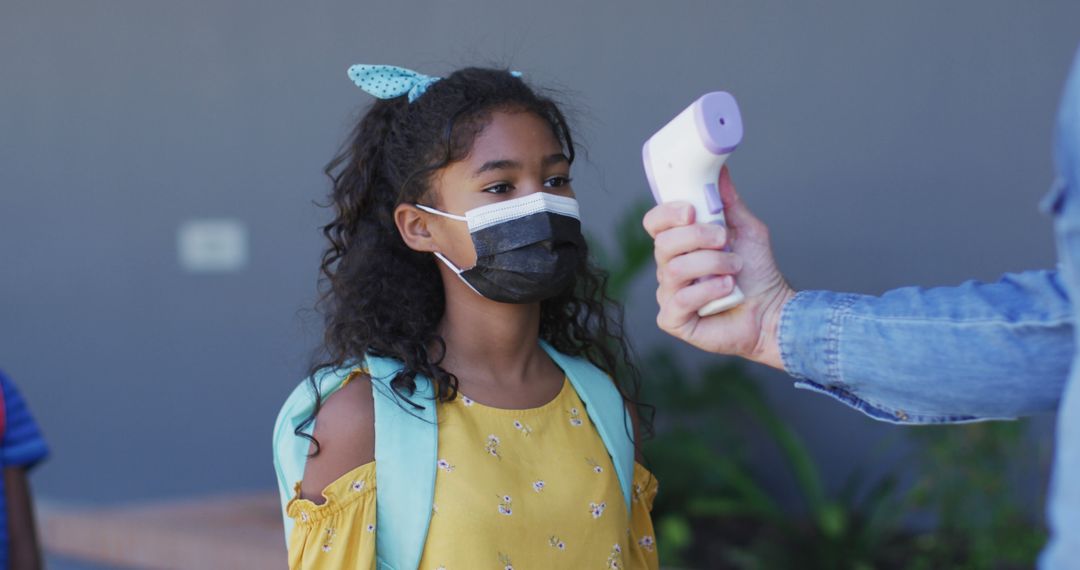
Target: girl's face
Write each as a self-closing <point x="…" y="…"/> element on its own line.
<point x="515" y="155"/>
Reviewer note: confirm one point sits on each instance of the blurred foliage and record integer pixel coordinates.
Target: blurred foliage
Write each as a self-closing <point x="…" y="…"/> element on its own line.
<point x="967" y="477"/>
<point x="713" y="510"/>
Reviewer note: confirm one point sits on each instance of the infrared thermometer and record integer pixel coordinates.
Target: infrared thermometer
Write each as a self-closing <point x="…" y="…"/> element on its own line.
<point x="683" y="161"/>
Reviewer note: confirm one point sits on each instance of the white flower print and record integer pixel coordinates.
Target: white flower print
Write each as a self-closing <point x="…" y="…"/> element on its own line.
<point x="504" y="559"/>
<point x="445" y="465"/>
<point x="597" y="509"/>
<point x="358" y="485"/>
<point x="614" y="561"/>
<point x="595" y="466"/>
<point x="525" y="429"/>
<point x="329" y="539"/>
<point x="575" y="417"/>
<point x="371" y="528"/>
<point x="492" y="446"/>
<point x="647" y="542"/>
<point x="505" y="506"/>
<point x="538" y="485"/>
<point x="556" y="542"/>
<point x="466" y="400"/>
<point x="303" y="516"/>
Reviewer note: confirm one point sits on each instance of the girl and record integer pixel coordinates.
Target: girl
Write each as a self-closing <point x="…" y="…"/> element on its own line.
<point x="465" y="416"/>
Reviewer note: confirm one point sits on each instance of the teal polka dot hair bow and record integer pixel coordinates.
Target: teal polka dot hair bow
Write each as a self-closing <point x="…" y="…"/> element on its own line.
<point x="388" y="81"/>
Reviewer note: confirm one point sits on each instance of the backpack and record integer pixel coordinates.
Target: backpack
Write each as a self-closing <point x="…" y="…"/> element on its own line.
<point x="406" y="447"/>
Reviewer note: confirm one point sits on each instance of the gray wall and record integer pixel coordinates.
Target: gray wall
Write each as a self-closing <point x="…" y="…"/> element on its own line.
<point x="887" y="143"/>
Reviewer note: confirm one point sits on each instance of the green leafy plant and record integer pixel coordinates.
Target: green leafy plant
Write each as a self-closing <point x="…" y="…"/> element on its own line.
<point x="965" y="478"/>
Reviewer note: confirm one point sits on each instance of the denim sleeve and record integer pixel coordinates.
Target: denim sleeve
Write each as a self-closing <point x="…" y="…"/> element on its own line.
<point x="22" y="444"/>
<point x="950" y="354"/>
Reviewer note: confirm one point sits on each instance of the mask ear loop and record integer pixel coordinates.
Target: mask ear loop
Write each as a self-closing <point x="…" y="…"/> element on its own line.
<point x="431" y="210"/>
<point x="457" y="270"/>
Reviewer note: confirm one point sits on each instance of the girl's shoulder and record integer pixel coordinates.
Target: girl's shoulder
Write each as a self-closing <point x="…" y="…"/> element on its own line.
<point x="345" y="431"/>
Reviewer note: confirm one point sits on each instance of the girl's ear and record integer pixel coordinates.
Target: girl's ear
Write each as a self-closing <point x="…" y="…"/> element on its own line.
<point x="411" y="223"/>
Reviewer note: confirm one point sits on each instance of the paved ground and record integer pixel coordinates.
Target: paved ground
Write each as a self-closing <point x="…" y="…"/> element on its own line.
<point x="224" y="532"/>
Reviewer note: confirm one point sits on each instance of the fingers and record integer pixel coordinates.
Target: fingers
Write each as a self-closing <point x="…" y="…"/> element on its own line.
<point x="681" y="240"/>
<point x="686" y="268"/>
<point x="667" y="216"/>
<point x="681" y="307"/>
<point x="691" y="281"/>
<point x="734" y="208"/>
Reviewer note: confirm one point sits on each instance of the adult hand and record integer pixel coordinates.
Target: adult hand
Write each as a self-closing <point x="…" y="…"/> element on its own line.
<point x="686" y="252"/>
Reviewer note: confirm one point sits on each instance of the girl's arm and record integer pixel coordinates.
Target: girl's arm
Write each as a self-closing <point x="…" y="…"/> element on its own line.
<point x="22" y="535"/>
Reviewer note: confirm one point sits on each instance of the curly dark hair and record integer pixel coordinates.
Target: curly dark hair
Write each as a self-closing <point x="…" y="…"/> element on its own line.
<point x="380" y="297"/>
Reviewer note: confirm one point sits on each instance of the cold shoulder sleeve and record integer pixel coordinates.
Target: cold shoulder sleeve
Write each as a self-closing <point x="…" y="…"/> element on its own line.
<point x="339" y="533"/>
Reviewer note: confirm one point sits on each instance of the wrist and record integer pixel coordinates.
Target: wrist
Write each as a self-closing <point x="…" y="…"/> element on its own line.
<point x="767" y="349"/>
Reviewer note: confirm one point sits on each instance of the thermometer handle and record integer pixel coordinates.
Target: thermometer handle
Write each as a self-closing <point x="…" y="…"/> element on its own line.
<point x="734" y="298"/>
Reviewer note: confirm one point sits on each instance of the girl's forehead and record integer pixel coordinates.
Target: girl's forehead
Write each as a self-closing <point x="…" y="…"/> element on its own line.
<point x="513" y="134"/>
<point x="509" y="142"/>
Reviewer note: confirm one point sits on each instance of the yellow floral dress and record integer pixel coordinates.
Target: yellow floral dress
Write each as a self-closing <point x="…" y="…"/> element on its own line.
<point x="514" y="490"/>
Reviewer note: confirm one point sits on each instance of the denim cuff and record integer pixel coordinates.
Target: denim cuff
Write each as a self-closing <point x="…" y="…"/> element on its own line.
<point x="809" y="335"/>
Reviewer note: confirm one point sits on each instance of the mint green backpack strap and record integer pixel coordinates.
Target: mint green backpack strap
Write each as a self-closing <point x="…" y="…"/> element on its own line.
<point x="606" y="409"/>
<point x="406" y="455"/>
<point x="290" y="450"/>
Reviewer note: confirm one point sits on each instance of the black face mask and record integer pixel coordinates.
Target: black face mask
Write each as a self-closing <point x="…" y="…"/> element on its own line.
<point x="527" y="249"/>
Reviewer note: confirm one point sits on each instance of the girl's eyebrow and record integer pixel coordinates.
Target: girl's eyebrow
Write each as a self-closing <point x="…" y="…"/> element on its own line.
<point x="497" y="165"/>
<point x="506" y="164"/>
<point x="557" y="158"/>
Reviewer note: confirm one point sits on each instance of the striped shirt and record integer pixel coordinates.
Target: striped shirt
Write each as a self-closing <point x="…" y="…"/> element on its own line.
<point x="21" y="446"/>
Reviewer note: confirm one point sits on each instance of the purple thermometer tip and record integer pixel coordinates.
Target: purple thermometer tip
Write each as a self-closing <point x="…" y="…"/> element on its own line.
<point x="719" y="122"/>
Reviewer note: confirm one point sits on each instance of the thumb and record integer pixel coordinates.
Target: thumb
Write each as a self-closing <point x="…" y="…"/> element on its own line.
<point x="735" y="211"/>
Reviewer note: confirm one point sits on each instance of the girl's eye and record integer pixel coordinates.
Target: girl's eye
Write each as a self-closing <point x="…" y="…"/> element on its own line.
<point x="558" y="181"/>
<point x="502" y="188"/>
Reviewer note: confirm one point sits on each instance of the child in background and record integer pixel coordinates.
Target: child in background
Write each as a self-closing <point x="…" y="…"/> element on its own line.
<point x="21" y="448"/>
<point x="461" y="301"/>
